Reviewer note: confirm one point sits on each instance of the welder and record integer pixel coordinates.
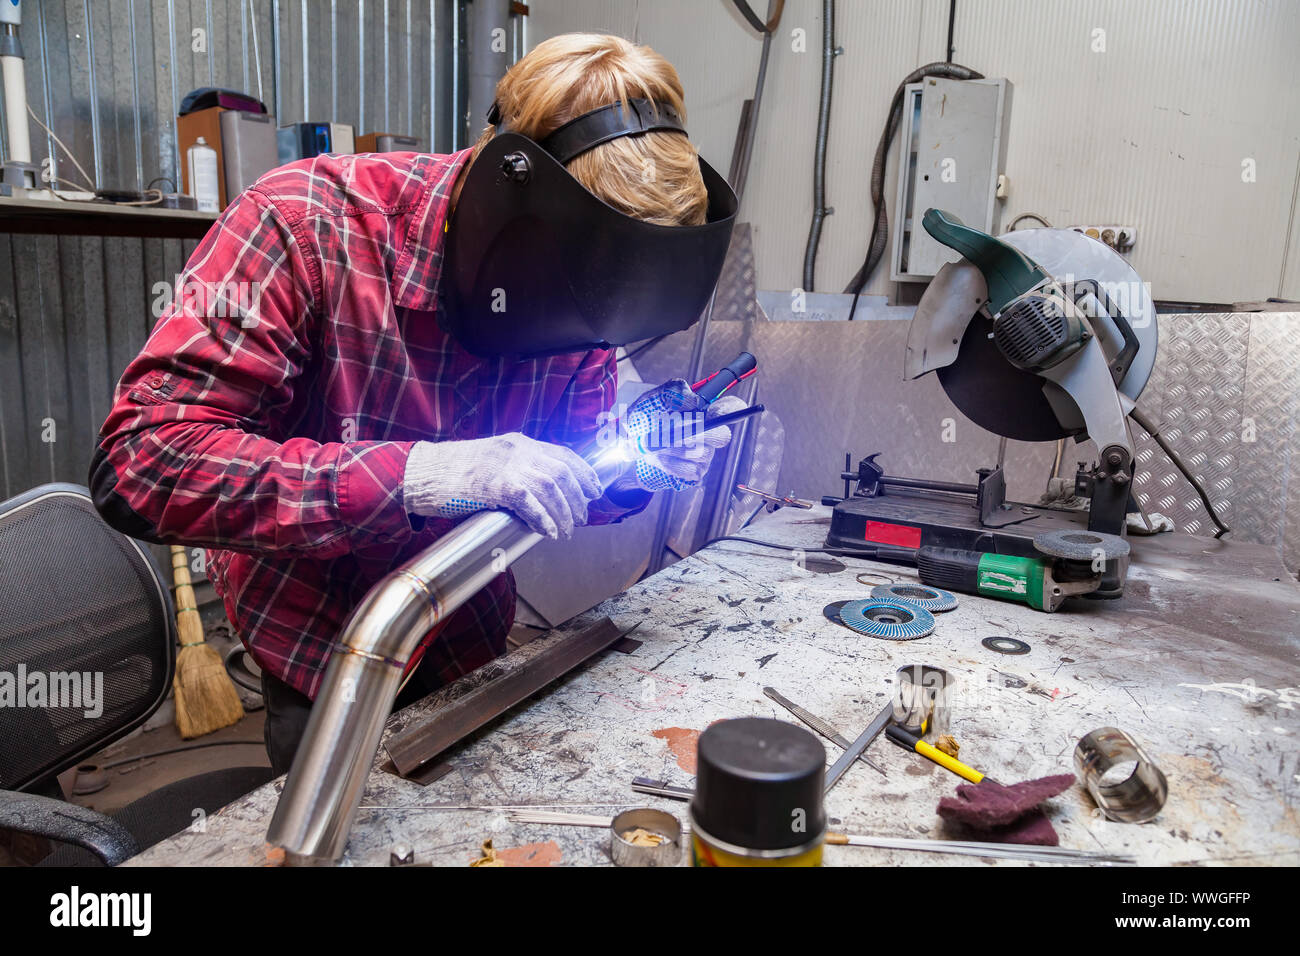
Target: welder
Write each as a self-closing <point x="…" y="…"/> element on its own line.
<point x="386" y="343"/>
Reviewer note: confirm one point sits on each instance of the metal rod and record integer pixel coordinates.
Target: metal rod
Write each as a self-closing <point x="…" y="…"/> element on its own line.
<point x="710" y="423"/>
<point x="1007" y="851"/>
<point x="859" y="746"/>
<point x="925" y="484"/>
<point x="819" y="725"/>
<point x="721" y="505"/>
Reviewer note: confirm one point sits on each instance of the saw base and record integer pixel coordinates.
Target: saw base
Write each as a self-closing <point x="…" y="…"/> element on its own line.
<point x="913" y="519"/>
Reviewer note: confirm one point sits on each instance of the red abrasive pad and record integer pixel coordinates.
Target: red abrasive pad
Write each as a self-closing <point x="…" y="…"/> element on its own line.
<point x="987" y="805"/>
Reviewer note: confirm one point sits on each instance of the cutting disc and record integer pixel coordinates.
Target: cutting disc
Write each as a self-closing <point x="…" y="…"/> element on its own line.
<point x="1080" y="545"/>
<point x="933" y="600"/>
<point x="1005" y="400"/>
<point x="887" y="620"/>
<point x="832" y="611"/>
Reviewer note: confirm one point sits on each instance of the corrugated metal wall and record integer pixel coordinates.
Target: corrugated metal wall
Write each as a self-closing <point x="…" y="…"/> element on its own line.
<point x="370" y="63"/>
<point x="107" y="78"/>
<point x="1152" y="132"/>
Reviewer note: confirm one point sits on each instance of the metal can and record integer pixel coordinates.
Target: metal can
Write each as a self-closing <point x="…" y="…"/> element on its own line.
<point x="758" y="795"/>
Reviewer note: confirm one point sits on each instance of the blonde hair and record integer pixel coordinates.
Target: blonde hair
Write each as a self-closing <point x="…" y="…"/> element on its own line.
<point x="654" y="176"/>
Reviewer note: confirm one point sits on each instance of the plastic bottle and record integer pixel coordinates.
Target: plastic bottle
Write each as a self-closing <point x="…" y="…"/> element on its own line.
<point x="201" y="161"/>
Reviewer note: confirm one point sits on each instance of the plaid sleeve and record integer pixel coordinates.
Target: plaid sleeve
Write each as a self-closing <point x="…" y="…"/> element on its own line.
<point x="188" y="453"/>
<point x="583" y="411"/>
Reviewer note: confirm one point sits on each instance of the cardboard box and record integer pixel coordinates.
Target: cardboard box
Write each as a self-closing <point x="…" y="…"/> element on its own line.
<point x="387" y="143"/>
<point x="205" y="123"/>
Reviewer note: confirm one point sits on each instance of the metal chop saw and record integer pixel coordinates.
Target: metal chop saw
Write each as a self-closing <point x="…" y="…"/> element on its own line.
<point x="1036" y="335"/>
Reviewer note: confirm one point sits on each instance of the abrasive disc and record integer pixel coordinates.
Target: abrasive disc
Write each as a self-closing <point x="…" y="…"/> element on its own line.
<point x="887" y="620"/>
<point x="934" y="600"/>
<point x="1081" y="545"/>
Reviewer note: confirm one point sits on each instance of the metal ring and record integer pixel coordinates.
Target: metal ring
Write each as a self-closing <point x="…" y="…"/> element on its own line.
<point x="884" y="578"/>
<point x="1136" y="798"/>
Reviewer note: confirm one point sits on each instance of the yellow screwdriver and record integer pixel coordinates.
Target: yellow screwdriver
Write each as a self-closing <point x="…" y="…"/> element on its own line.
<point x="911" y="742"/>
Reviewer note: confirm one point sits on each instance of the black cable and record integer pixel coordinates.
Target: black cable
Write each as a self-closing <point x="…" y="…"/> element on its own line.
<point x="781" y="547"/>
<point x="641" y="348"/>
<point x="1151" y="429"/>
<point x="819" y="156"/>
<point x="748" y="13"/>
<point x="179" y="750"/>
<point x="952" y="18"/>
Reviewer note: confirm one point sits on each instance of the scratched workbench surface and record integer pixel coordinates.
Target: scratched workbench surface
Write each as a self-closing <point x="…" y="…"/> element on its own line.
<point x="1200" y="662"/>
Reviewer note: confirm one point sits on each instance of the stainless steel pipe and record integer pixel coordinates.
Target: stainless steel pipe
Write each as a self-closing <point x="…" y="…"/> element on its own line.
<point x="325" y="782"/>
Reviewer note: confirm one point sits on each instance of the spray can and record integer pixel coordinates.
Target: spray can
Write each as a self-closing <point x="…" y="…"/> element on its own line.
<point x="201" y="160"/>
<point x="758" y="795"/>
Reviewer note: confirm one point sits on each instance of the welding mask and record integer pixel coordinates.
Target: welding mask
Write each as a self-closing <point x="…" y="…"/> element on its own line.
<point x="535" y="264"/>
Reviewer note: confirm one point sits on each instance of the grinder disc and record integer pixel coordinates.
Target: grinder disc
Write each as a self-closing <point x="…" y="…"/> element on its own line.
<point x="887" y="620"/>
<point x="933" y="600"/>
<point x="832" y="611"/>
<point x="1081" y="545"/>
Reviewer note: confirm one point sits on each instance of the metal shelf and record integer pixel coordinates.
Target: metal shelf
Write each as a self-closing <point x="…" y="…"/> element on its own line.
<point x="63" y="217"/>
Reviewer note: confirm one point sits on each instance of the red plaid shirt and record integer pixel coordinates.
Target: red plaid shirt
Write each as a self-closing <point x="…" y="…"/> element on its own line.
<point x="270" y="413"/>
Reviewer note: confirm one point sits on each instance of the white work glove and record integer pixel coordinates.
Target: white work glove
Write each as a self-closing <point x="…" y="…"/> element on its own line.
<point x="689" y="462"/>
<point x="686" y="461"/>
<point x="547" y="486"/>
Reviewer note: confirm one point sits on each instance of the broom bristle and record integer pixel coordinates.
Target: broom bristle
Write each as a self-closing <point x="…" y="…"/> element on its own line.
<point x="206" y="700"/>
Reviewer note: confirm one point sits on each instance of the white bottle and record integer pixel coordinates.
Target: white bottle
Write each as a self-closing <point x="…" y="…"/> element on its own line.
<point x="201" y="160"/>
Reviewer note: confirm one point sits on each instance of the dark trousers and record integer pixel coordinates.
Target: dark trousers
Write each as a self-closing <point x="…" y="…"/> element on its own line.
<point x="287" y="711"/>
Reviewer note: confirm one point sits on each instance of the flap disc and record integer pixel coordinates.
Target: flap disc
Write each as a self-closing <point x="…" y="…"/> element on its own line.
<point x="887" y="620"/>
<point x="933" y="600"/>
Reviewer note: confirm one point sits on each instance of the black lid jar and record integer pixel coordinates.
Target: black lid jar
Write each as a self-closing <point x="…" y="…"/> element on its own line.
<point x="758" y="787"/>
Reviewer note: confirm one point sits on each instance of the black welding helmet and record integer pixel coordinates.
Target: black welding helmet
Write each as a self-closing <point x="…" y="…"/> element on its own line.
<point x="536" y="264"/>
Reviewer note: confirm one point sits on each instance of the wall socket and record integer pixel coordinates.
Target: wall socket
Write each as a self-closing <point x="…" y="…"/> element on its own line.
<point x="1119" y="238"/>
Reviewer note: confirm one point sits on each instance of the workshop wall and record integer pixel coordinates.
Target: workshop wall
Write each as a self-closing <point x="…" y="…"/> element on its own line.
<point x="108" y="78"/>
<point x="1151" y="132"/>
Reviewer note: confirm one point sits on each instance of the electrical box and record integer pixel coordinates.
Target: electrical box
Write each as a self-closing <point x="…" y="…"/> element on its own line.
<point x="953" y="148"/>
<point x="304" y="140"/>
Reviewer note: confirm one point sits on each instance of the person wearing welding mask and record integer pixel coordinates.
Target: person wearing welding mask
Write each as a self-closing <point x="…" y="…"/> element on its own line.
<point x="383" y="344"/>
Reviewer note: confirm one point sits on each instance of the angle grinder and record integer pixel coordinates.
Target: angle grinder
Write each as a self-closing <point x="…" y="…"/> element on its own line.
<point x="1072" y="564"/>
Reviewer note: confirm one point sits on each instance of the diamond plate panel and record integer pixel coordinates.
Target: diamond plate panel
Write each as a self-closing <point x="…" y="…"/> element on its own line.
<point x="1204" y="358"/>
<point x="1268" y="430"/>
<point x="838" y="386"/>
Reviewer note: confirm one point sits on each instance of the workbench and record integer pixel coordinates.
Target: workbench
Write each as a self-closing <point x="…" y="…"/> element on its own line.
<point x="1199" y="662"/>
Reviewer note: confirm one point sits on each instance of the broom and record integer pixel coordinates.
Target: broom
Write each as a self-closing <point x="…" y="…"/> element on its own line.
<point x="206" y="699"/>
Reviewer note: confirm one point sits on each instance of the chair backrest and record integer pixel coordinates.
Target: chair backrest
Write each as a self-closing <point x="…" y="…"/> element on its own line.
<point x="87" y="634"/>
